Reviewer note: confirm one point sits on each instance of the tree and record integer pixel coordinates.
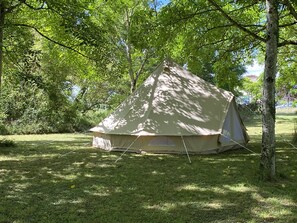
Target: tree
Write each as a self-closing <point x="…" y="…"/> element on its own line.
<point x="286" y="83"/>
<point x="240" y="27"/>
<point x="253" y="88"/>
<point x="43" y="47"/>
<point x="192" y="40"/>
<point x="49" y="19"/>
<point x="2" y="17"/>
<point x="267" y="162"/>
<point x="130" y="37"/>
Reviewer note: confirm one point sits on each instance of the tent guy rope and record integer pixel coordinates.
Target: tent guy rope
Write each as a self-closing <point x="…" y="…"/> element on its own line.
<point x="127" y="149"/>
<point x="240" y="145"/>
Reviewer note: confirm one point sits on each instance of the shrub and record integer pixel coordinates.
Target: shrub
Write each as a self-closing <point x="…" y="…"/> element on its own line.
<point x="294" y="141"/>
<point x="89" y="119"/>
<point x="3" y="130"/>
<point x="7" y="143"/>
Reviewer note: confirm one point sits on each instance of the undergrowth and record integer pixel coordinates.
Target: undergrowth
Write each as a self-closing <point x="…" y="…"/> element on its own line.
<point x="7" y="143"/>
<point x="294" y="140"/>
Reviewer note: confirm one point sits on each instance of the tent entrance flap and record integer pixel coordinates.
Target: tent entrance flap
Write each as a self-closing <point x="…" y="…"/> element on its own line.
<point x="232" y="128"/>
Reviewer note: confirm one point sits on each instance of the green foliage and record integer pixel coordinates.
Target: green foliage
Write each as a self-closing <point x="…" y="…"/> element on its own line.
<point x="254" y="89"/>
<point x="286" y="84"/>
<point x="3" y="130"/>
<point x="7" y="143"/>
<point x="294" y="140"/>
<point x="228" y="74"/>
<point x="201" y="39"/>
<point x="48" y="86"/>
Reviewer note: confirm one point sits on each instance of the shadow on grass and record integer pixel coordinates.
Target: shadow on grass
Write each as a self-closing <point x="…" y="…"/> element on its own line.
<point x="43" y="181"/>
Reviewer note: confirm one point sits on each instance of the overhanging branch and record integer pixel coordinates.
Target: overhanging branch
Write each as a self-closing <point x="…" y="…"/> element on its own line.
<point x="11" y="8"/>
<point x="52" y="40"/>
<point x="287" y="42"/>
<point x="287" y="24"/>
<point x="34" y="8"/>
<point x="291" y="8"/>
<point x="235" y="23"/>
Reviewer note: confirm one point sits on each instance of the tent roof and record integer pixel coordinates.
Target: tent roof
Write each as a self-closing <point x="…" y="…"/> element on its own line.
<point x="172" y="101"/>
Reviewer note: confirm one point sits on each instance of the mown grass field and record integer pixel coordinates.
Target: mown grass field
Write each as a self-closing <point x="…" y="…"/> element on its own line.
<point x="61" y="178"/>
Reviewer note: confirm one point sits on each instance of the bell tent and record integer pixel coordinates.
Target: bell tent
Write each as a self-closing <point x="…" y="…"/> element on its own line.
<point x="173" y="111"/>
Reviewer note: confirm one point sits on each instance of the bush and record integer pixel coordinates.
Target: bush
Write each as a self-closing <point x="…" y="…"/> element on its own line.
<point x="294" y="141"/>
<point x="3" y="130"/>
<point x="33" y="127"/>
<point x="7" y="143"/>
<point x="89" y="119"/>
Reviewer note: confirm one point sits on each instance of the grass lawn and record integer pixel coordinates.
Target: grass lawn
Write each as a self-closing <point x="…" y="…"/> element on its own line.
<point x="61" y="178"/>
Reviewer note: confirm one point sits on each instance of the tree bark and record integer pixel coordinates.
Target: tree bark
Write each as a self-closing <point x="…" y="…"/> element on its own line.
<point x="2" y="14"/>
<point x="130" y="68"/>
<point x="267" y="162"/>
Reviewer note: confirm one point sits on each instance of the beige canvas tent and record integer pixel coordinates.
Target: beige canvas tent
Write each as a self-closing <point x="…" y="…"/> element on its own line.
<point x="173" y="111"/>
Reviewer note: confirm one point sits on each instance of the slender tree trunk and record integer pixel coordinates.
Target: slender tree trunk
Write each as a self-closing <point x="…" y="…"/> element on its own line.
<point x="267" y="162"/>
<point x="130" y="68"/>
<point x="2" y="14"/>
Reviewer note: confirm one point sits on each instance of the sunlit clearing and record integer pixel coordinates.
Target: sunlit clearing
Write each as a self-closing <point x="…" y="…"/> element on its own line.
<point x="10" y="158"/>
<point x="166" y="207"/>
<point x="162" y="207"/>
<point x="240" y="188"/>
<point x="195" y="187"/>
<point x="64" y="201"/>
<point x="64" y="176"/>
<point x="273" y="207"/>
<point x="157" y="173"/>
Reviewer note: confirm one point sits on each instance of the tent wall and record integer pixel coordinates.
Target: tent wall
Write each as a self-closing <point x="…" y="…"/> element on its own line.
<point x="161" y="144"/>
<point x="233" y="129"/>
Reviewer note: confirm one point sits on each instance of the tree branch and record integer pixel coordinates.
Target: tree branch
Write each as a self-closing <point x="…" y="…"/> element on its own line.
<point x="230" y="25"/>
<point x="11" y="8"/>
<point x="288" y="24"/>
<point x="245" y="7"/>
<point x="39" y="8"/>
<point x="235" y="23"/>
<point x="287" y="42"/>
<point x="291" y="8"/>
<point x="53" y="41"/>
<point x="138" y="73"/>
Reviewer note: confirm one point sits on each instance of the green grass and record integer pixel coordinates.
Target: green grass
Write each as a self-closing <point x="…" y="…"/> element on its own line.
<point x="60" y="178"/>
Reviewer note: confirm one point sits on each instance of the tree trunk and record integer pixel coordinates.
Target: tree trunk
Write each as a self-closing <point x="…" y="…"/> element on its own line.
<point x="132" y="86"/>
<point x="130" y="68"/>
<point x="267" y="162"/>
<point x="2" y="14"/>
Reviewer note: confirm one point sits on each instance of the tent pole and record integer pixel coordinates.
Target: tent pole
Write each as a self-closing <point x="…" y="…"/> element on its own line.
<point x="186" y="149"/>
<point x="127" y="149"/>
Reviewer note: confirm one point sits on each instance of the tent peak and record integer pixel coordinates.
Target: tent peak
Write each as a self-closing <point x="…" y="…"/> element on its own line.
<point x="168" y="63"/>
